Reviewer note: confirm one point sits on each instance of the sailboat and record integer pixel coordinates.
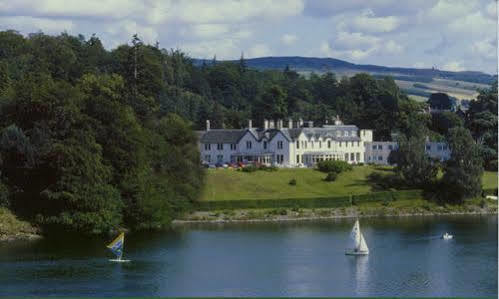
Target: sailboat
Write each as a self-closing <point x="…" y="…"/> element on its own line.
<point x="359" y="246"/>
<point x="116" y="246"/>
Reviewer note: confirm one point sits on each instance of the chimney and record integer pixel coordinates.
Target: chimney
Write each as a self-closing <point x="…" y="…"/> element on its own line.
<point x="271" y="124"/>
<point x="250" y="123"/>
<point x="337" y="121"/>
<point x="207" y="125"/>
<point x="290" y="123"/>
<point x="265" y="124"/>
<point x="310" y="124"/>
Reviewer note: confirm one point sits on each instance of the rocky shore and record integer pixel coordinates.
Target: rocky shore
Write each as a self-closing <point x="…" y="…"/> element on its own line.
<point x="12" y="229"/>
<point x="284" y="215"/>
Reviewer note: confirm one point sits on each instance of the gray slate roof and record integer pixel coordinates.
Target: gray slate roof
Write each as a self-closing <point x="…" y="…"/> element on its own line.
<point x="234" y="135"/>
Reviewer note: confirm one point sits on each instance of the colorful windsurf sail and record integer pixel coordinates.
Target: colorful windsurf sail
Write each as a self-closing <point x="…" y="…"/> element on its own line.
<point x="116" y="246"/>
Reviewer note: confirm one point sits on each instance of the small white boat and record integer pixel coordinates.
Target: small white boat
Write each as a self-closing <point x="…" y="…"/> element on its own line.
<point x="358" y="245"/>
<point x="447" y="236"/>
<point x="116" y="246"/>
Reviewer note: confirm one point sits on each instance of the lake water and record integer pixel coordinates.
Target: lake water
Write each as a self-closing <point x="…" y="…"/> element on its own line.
<point x="289" y="259"/>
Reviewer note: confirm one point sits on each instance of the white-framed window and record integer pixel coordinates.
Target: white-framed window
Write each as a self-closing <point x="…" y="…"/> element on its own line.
<point x="346" y="156"/>
<point x="338" y="133"/>
<point x="320" y="144"/>
<point x="233" y="146"/>
<point x="357" y="156"/>
<point x="353" y="133"/>
<point x="375" y="147"/>
<point x="207" y="146"/>
<point x="220" y="146"/>
<point x="380" y="147"/>
<point x="207" y="158"/>
<point x="439" y="148"/>
<point x="220" y="158"/>
<point x="264" y="144"/>
<point x="380" y="158"/>
<point x="248" y="144"/>
<point x="345" y="133"/>
<point x="297" y="158"/>
<point x="280" y="159"/>
<point x="369" y="158"/>
<point x="352" y="156"/>
<point x="329" y="144"/>
<point x="428" y="147"/>
<point x="279" y="144"/>
<point x="297" y="144"/>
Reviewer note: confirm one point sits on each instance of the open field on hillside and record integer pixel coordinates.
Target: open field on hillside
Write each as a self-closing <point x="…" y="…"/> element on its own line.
<point x="229" y="184"/>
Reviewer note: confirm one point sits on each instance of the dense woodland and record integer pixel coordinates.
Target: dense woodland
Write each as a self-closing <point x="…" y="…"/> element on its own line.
<point x="92" y="139"/>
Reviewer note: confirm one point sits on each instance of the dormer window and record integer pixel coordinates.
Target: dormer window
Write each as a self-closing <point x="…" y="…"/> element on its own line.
<point x="345" y="133"/>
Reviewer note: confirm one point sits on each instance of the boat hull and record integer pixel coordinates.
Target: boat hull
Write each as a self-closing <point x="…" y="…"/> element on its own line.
<point x="358" y="252"/>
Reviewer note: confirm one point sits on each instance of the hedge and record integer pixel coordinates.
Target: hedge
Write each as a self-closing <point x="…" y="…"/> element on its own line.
<point x="490" y="191"/>
<point x="313" y="202"/>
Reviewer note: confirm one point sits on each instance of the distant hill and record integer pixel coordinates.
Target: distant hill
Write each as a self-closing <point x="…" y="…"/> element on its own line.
<point x="320" y="65"/>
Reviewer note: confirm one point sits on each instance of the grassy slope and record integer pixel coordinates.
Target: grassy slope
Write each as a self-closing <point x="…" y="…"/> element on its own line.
<point x="227" y="184"/>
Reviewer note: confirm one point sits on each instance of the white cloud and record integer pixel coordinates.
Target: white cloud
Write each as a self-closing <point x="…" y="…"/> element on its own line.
<point x="368" y="22"/>
<point x="105" y="9"/>
<point x="485" y="48"/>
<point x="31" y="24"/>
<point x="491" y="10"/>
<point x="393" y="48"/>
<point x="209" y="30"/>
<point x="355" y="40"/>
<point x="451" y="9"/>
<point x="454" y="66"/>
<point x="289" y="39"/>
<point x="259" y="50"/>
<point x="474" y="23"/>
<point x="227" y="11"/>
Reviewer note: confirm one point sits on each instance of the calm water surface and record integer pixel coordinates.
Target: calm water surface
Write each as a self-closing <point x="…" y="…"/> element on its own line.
<point x="293" y="259"/>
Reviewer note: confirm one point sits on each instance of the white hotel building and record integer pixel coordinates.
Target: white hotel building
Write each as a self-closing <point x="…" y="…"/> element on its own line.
<point x="297" y="144"/>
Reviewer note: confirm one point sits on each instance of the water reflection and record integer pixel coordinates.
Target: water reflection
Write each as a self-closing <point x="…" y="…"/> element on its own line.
<point x="361" y="264"/>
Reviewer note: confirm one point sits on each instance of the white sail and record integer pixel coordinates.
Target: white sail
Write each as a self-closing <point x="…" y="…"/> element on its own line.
<point x="358" y="244"/>
<point x="363" y="245"/>
<point x="355" y="235"/>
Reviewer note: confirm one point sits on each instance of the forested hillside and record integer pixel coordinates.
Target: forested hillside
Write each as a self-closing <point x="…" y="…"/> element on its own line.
<point x="85" y="140"/>
<point x="93" y="139"/>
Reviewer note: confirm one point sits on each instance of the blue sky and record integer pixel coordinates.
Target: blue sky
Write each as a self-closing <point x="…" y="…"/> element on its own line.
<point x="449" y="34"/>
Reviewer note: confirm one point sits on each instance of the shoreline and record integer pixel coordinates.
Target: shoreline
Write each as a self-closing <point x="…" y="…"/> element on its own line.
<point x="240" y="216"/>
<point x="20" y="237"/>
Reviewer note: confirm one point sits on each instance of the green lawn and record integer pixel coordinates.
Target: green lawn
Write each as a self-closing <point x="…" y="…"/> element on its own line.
<point x="229" y="184"/>
<point x="489" y="180"/>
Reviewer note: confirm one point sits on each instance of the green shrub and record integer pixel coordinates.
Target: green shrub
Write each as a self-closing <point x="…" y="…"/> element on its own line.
<point x="250" y="168"/>
<point x="292" y="182"/>
<point x="331" y="177"/>
<point x="333" y="166"/>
